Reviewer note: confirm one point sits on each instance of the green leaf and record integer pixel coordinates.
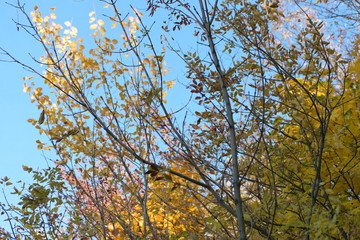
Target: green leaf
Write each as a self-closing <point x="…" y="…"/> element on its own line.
<point x="42" y="117"/>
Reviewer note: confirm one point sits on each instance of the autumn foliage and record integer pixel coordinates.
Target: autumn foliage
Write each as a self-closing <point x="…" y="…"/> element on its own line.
<point x="265" y="145"/>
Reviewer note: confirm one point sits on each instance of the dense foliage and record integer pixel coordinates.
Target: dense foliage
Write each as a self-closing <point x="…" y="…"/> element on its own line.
<point x="265" y="147"/>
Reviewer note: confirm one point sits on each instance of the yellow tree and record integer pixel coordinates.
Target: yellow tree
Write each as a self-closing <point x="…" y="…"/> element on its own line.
<point x="130" y="172"/>
<point x="297" y="91"/>
<point x="265" y="148"/>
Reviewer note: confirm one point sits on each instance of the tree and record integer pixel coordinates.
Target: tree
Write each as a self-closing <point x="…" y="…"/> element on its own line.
<point x="266" y="147"/>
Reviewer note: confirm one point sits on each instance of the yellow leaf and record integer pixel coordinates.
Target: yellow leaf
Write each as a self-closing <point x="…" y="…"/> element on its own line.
<point x="93" y="26"/>
<point x="26" y="89"/>
<point x="63" y="162"/>
<point x="151" y="95"/>
<point x="92" y="19"/>
<point x="28" y="78"/>
<point x="100" y="22"/>
<point x="56" y="138"/>
<point x="138" y="13"/>
<point x="72" y="132"/>
<point x="102" y="30"/>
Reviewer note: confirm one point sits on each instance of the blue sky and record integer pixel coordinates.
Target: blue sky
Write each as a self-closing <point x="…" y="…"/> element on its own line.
<point x="18" y="137"/>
